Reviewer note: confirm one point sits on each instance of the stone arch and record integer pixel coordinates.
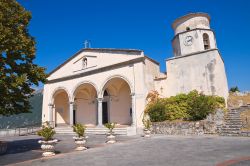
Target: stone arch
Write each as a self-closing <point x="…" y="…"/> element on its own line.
<point x="117" y="106"/>
<point x="206" y="41"/>
<point x="84" y="97"/>
<point x="56" y="91"/>
<point x="102" y="89"/>
<point x="60" y="99"/>
<point x="82" y="83"/>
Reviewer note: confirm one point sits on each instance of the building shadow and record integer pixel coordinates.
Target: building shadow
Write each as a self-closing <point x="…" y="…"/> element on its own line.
<point x="20" y="146"/>
<point x="20" y="151"/>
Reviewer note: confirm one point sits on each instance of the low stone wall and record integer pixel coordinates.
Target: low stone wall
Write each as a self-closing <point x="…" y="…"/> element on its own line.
<point x="211" y="125"/>
<point x="184" y="128"/>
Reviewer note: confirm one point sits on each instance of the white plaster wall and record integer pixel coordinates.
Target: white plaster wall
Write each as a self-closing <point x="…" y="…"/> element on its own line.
<point x="101" y="60"/>
<point x="140" y="92"/>
<point x="151" y="71"/>
<point x="86" y="112"/>
<point x="46" y="102"/>
<point x="204" y="72"/>
<point x="160" y="87"/>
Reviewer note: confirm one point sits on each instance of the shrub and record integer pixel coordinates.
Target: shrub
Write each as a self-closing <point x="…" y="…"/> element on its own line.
<point x="192" y="106"/>
<point x="202" y="105"/>
<point x="110" y="126"/>
<point x="156" y="111"/>
<point x="79" y="129"/>
<point x="46" y="132"/>
<point x="176" y="107"/>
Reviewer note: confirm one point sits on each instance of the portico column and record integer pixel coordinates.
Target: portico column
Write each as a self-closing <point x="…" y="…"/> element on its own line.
<point x="71" y="108"/>
<point x="50" y="113"/>
<point x="99" y="114"/>
<point x="133" y="109"/>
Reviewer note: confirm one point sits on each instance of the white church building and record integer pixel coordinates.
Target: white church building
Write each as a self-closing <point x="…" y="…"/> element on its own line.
<point x="100" y="85"/>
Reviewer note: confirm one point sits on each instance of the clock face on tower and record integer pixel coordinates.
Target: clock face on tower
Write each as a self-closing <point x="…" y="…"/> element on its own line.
<point x="188" y="41"/>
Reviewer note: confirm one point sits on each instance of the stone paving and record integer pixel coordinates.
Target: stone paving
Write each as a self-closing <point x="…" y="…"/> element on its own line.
<point x="24" y="148"/>
<point x="135" y="151"/>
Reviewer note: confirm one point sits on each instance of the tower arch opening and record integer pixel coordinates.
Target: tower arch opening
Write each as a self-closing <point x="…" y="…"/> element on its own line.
<point x="206" y="41"/>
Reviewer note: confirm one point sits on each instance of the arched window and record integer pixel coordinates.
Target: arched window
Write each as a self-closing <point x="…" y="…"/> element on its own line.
<point x="106" y="93"/>
<point x="206" y="41"/>
<point x="84" y="62"/>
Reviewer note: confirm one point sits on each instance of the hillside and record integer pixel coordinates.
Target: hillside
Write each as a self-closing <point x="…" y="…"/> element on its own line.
<point x="25" y="119"/>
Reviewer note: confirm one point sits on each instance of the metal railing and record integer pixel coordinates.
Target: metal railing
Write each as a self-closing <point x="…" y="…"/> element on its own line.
<point x="21" y="130"/>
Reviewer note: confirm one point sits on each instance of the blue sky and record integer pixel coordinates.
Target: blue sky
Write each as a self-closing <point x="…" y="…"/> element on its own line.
<point x="61" y="26"/>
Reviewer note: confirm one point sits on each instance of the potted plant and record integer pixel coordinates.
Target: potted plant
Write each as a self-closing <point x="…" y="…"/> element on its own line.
<point x="110" y="135"/>
<point x="80" y="139"/>
<point x="48" y="143"/>
<point x="147" y="126"/>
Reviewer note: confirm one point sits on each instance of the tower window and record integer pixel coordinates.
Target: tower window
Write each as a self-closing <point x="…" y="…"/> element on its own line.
<point x="206" y="41"/>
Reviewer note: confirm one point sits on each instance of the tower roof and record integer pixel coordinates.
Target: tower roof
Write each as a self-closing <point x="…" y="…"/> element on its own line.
<point x="186" y="17"/>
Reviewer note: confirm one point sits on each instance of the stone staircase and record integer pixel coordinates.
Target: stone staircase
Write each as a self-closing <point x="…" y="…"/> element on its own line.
<point x="233" y="123"/>
<point x="97" y="130"/>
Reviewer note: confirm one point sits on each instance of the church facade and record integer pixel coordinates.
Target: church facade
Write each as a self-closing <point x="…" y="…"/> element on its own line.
<point x="96" y="85"/>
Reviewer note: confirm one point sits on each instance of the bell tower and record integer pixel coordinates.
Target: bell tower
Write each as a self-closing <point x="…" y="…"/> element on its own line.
<point x="192" y="34"/>
<point x="197" y="63"/>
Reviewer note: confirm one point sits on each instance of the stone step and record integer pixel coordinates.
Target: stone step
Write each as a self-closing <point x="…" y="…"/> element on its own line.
<point x="234" y="115"/>
<point x="230" y="129"/>
<point x="233" y="120"/>
<point x="230" y="132"/>
<point x="232" y="125"/>
<point x="244" y="106"/>
<point x="96" y="130"/>
<point x="238" y="126"/>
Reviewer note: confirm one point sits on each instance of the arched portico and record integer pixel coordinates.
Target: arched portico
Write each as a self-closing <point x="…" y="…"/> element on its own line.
<point x="59" y="107"/>
<point x="85" y="107"/>
<point x="115" y="103"/>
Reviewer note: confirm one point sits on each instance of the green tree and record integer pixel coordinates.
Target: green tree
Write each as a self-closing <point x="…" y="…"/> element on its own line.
<point x="234" y="89"/>
<point x="18" y="73"/>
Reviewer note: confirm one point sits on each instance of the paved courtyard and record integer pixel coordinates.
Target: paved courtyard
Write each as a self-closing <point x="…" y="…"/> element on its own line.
<point x="134" y="151"/>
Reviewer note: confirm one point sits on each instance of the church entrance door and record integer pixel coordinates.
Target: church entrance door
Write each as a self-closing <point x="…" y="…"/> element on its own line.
<point x="105" y="112"/>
